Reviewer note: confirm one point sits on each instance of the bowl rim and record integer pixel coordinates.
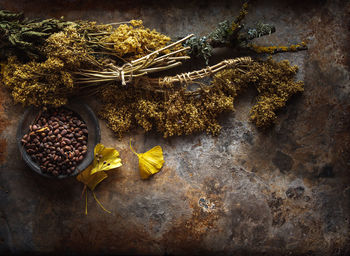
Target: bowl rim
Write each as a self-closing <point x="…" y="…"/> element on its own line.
<point x="34" y="166"/>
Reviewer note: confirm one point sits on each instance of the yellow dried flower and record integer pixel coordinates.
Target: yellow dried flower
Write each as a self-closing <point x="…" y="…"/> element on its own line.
<point x="134" y="41"/>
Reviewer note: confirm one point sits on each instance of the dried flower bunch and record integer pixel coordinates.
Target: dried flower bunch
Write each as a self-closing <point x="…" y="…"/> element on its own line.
<point x="184" y="111"/>
<point x="58" y="59"/>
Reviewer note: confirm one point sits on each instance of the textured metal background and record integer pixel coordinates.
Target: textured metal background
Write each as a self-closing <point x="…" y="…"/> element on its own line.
<point x="284" y="191"/>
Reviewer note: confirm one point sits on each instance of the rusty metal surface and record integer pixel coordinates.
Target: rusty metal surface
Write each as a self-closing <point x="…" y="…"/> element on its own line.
<point x="284" y="191"/>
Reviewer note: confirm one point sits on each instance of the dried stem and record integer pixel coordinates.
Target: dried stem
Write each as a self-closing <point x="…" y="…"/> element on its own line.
<point x="150" y="63"/>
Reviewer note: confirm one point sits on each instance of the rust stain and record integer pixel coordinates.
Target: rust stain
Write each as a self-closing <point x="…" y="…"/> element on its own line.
<point x="187" y="235"/>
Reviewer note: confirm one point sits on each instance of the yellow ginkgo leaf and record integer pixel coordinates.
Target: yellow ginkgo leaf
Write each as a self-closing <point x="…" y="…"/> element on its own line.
<point x="91" y="180"/>
<point x="105" y="159"/>
<point x="150" y="162"/>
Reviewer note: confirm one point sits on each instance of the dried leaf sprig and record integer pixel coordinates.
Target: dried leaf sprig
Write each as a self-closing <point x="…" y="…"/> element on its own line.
<point x="233" y="34"/>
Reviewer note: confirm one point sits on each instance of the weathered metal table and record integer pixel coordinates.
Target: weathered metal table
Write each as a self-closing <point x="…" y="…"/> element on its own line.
<point x="284" y="191"/>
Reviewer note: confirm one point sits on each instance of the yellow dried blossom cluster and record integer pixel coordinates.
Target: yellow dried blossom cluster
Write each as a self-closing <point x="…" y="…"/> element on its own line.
<point x="30" y="88"/>
<point x="176" y="113"/>
<point x="274" y="82"/>
<point x="134" y="41"/>
<point x="51" y="81"/>
<point x="275" y="87"/>
<point x="69" y="47"/>
<point x="180" y="112"/>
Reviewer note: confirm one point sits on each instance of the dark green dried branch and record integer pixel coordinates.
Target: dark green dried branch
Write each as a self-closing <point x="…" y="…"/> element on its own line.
<point x="233" y="34"/>
<point x="23" y="37"/>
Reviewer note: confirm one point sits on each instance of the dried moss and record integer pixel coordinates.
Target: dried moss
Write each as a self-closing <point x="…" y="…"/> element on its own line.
<point x="278" y="49"/>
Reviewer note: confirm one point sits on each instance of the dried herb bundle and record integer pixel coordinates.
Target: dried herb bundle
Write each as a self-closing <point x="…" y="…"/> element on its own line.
<point x="177" y="110"/>
<point x="50" y="60"/>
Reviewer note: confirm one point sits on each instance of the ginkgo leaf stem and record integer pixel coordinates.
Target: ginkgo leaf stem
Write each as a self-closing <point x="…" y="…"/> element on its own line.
<point x="99" y="203"/>
<point x="133" y="149"/>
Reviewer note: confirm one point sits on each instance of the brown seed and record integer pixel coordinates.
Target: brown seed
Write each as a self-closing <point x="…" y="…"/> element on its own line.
<point x="59" y="136"/>
<point x="55" y="158"/>
<point x="83" y="152"/>
<point x="80" y="139"/>
<point x="67" y="148"/>
<point x="63" y="132"/>
<point x="85" y="131"/>
<point x="81" y="158"/>
<point x="68" y="142"/>
<point x="55" y="173"/>
<point x="34" y="127"/>
<point x="57" y="131"/>
<point x="30" y="151"/>
<point x="24" y="141"/>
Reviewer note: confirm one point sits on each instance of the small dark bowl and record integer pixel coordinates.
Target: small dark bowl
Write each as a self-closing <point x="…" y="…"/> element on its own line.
<point x="94" y="137"/>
